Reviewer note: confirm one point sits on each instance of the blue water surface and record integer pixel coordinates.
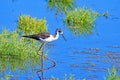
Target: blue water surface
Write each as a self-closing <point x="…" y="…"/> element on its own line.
<point x="73" y="56"/>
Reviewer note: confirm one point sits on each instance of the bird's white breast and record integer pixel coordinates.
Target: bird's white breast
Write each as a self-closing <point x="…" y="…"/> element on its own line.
<point x="49" y="39"/>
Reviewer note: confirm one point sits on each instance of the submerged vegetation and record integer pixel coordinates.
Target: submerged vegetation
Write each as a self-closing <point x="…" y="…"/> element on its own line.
<point x="112" y="75"/>
<point x="81" y="21"/>
<point x="61" y="6"/>
<point x="16" y="51"/>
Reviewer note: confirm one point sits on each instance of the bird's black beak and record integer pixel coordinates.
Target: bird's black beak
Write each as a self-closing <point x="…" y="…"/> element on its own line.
<point x="63" y="37"/>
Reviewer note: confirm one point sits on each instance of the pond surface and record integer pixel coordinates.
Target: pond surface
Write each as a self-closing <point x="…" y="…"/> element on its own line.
<point x="85" y="57"/>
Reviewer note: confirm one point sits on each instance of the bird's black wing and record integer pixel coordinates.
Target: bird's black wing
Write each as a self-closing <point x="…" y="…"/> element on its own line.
<point x="38" y="36"/>
<point x="44" y="35"/>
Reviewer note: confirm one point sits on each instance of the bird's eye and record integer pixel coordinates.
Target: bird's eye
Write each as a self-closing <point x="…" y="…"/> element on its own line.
<point x="59" y="31"/>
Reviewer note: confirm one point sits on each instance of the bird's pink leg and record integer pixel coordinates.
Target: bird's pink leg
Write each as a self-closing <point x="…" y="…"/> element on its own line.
<point x="42" y="45"/>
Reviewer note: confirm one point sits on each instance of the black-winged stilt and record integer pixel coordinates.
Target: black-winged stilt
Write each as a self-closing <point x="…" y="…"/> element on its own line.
<point x="46" y="37"/>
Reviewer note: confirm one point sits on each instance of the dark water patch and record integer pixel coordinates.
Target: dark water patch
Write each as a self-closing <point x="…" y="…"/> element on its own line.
<point x="94" y="50"/>
<point x="94" y="69"/>
<point x="87" y="51"/>
<point x="13" y="1"/>
<point x="105" y="61"/>
<point x="112" y="55"/>
<point x="95" y="56"/>
<point x="115" y="18"/>
<point x="95" y="60"/>
<point x="86" y="68"/>
<point x="114" y="46"/>
<point x="74" y="65"/>
<point x="92" y="77"/>
<point x="29" y="77"/>
<point x="63" y="62"/>
<point x="50" y="46"/>
<point x="90" y="64"/>
<point x="109" y="57"/>
<point x="73" y="58"/>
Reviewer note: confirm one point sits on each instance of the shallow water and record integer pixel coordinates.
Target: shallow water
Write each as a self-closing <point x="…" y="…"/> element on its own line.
<point x="86" y="57"/>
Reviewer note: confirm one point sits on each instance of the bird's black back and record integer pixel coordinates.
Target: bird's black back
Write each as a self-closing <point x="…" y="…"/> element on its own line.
<point x="38" y="36"/>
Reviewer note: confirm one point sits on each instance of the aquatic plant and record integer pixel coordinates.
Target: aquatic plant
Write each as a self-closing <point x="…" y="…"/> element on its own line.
<point x="29" y="25"/>
<point x="81" y="21"/>
<point x="7" y="77"/>
<point x="61" y="6"/>
<point x="15" y="51"/>
<point x="71" y="77"/>
<point x="112" y="75"/>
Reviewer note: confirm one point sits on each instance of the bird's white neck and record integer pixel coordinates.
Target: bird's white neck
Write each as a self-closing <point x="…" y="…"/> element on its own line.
<point x="56" y="35"/>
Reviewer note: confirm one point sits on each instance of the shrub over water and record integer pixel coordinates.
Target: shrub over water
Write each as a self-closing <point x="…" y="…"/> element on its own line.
<point x="81" y="21"/>
<point x="18" y="52"/>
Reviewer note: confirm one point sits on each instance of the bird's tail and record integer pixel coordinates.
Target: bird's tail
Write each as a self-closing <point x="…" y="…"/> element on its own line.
<point x="31" y="36"/>
<point x="26" y="36"/>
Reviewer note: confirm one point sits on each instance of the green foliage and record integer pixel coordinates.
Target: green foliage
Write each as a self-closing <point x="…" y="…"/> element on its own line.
<point x="7" y="77"/>
<point x="71" y="78"/>
<point x="81" y="21"/>
<point x="61" y="5"/>
<point x="29" y="25"/>
<point x="16" y="52"/>
<point x="112" y="75"/>
<point x="106" y="14"/>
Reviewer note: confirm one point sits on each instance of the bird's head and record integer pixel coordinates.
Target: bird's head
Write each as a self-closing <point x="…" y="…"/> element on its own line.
<point x="59" y="30"/>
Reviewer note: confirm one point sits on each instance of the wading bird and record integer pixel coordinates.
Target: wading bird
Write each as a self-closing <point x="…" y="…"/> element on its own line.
<point x="46" y="37"/>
